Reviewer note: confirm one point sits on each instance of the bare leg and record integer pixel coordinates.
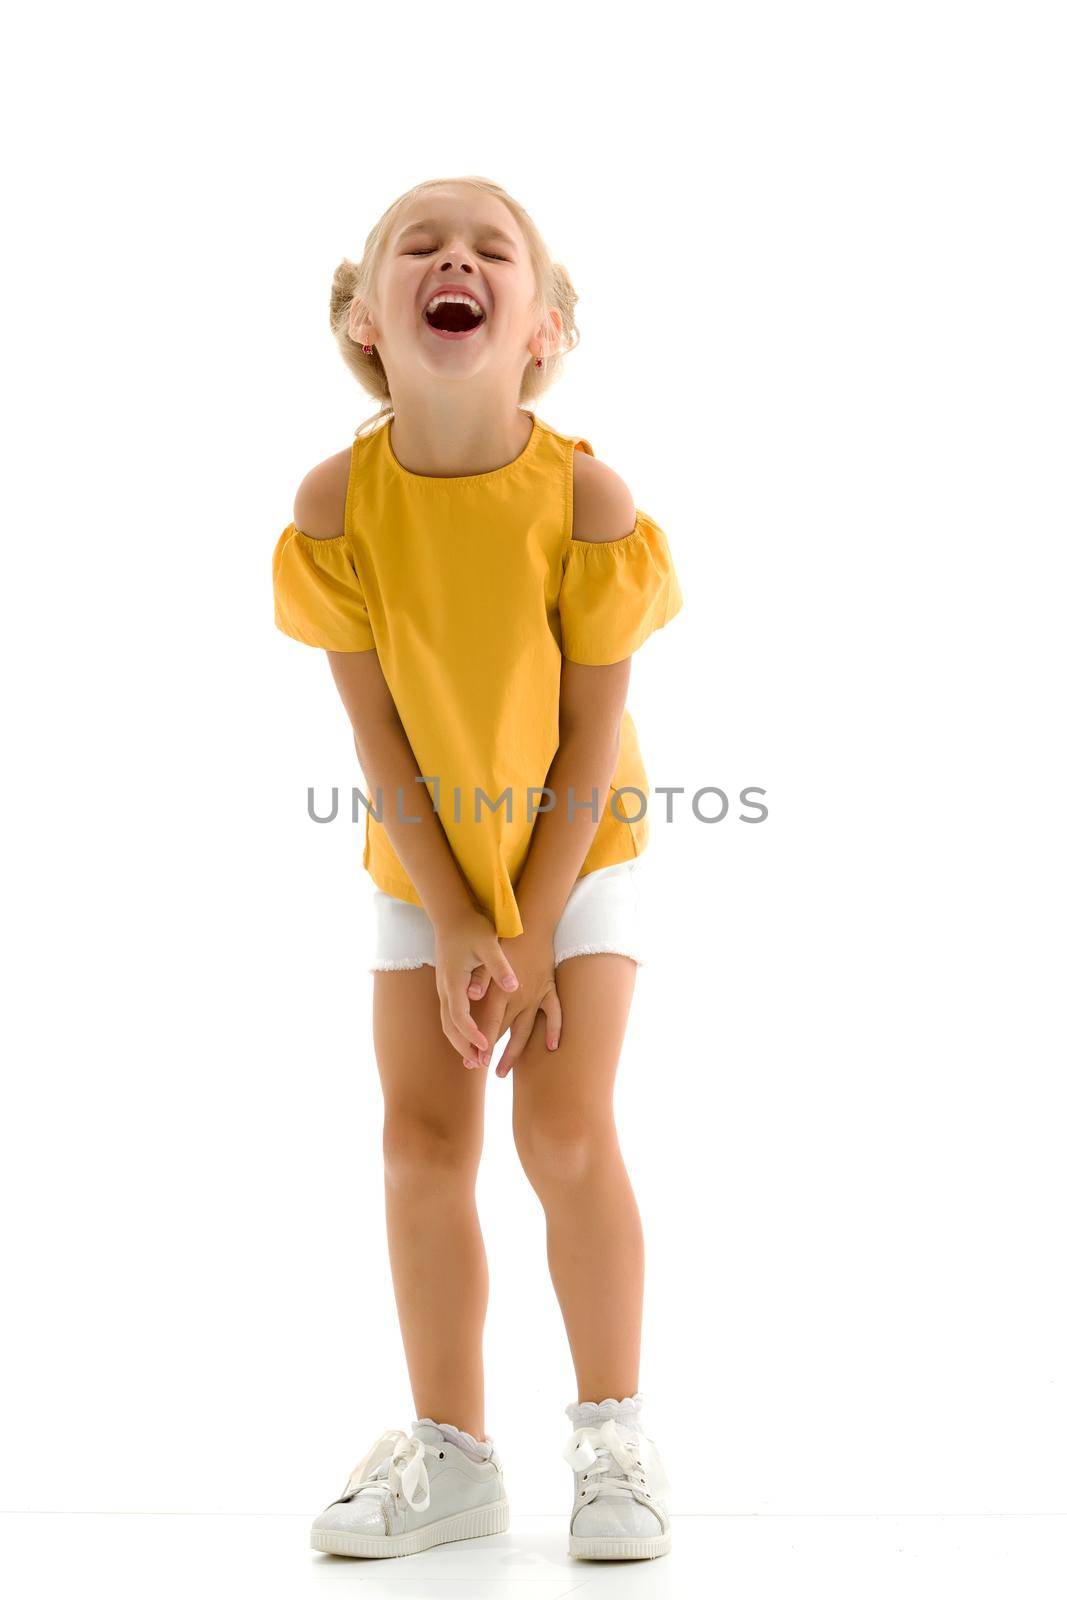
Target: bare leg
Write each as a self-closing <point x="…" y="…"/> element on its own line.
<point x="432" y="1145"/>
<point x="564" y="1126"/>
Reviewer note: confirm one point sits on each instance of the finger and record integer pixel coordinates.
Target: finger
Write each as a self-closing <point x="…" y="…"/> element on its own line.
<point x="521" y="1029"/>
<point x="459" y="1037"/>
<point x="553" y="1018"/>
<point x="460" y="1010"/>
<point x="463" y="1047"/>
<point x="487" y="1021"/>
<point x="499" y="967"/>
<point x="494" y="1018"/>
<point x="479" y="982"/>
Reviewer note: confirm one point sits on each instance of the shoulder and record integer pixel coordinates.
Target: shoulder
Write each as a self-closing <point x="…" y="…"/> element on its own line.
<point x="603" y="505"/>
<point x="319" y="504"/>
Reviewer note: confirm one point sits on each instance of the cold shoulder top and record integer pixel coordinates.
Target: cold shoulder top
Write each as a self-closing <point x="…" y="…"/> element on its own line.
<point x="471" y="589"/>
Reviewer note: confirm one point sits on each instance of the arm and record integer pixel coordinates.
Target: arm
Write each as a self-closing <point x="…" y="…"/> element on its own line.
<point x="387" y="761"/>
<point x="592" y="702"/>
<point x="465" y="937"/>
<point x="382" y="748"/>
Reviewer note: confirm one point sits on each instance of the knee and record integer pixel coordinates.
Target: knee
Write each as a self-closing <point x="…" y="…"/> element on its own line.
<point x="562" y="1147"/>
<point x="416" y="1148"/>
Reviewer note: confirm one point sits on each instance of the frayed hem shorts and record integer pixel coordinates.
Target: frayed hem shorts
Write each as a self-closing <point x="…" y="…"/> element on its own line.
<point x="600" y="917"/>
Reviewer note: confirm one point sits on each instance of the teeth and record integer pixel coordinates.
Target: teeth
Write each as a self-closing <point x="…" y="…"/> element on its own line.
<point x="454" y="299"/>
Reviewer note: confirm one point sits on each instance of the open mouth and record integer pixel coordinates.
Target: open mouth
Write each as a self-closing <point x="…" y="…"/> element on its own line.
<point x="453" y="315"/>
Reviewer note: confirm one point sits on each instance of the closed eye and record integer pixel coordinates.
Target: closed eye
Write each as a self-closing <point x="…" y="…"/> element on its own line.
<point x="488" y="256"/>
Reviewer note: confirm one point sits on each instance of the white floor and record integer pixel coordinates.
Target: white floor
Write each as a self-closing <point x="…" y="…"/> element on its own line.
<point x="725" y="1558"/>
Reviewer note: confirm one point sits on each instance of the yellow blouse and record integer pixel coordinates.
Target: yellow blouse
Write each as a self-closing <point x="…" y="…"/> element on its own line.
<point x="471" y="589"/>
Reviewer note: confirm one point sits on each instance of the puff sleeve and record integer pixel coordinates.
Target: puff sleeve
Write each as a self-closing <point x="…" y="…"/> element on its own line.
<point x="615" y="592"/>
<point x="318" y="597"/>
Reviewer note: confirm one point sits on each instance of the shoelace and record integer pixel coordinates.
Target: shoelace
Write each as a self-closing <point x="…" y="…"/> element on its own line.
<point x="597" y="1452"/>
<point x="394" y="1463"/>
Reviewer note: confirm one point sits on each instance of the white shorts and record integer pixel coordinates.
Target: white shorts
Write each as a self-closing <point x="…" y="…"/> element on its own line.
<point x="601" y="915"/>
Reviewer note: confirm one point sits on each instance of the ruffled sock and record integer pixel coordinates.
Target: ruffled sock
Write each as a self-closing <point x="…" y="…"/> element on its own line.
<point x="477" y="1449"/>
<point x="592" y="1413"/>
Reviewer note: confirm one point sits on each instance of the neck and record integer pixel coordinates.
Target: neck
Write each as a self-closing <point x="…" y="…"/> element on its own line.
<point x="442" y="436"/>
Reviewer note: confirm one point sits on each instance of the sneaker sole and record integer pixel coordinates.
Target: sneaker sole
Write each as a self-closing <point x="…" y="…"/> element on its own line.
<point x="475" y="1524"/>
<point x="608" y="1549"/>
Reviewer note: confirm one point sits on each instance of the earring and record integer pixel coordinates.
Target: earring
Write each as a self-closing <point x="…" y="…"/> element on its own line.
<point x="367" y="348"/>
<point x="539" y="362"/>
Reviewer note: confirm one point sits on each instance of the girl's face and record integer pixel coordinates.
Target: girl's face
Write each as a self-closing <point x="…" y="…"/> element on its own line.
<point x="460" y="241"/>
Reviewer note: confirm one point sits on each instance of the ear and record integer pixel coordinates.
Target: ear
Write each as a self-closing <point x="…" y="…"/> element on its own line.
<point x="545" y="340"/>
<point x="360" y="326"/>
<point x="556" y="332"/>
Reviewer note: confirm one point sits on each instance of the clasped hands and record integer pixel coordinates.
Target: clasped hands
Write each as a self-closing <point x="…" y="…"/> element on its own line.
<point x="510" y="990"/>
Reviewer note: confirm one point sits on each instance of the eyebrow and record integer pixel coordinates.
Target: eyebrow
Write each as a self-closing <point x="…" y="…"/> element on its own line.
<point x="429" y="223"/>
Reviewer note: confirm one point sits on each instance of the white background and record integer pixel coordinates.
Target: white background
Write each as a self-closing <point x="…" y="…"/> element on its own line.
<point x="820" y="251"/>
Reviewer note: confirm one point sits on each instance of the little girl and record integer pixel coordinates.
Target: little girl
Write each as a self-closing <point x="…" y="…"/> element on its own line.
<point x="479" y="582"/>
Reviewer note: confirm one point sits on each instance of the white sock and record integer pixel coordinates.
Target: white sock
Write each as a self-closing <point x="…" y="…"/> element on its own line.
<point x="591" y="1413"/>
<point x="477" y="1449"/>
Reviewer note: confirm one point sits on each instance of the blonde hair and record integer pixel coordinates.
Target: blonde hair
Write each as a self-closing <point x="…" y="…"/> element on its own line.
<point x="357" y="280"/>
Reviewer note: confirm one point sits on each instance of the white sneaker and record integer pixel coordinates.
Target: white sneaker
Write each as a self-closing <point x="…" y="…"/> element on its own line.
<point x="411" y="1492"/>
<point x="621" y="1489"/>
